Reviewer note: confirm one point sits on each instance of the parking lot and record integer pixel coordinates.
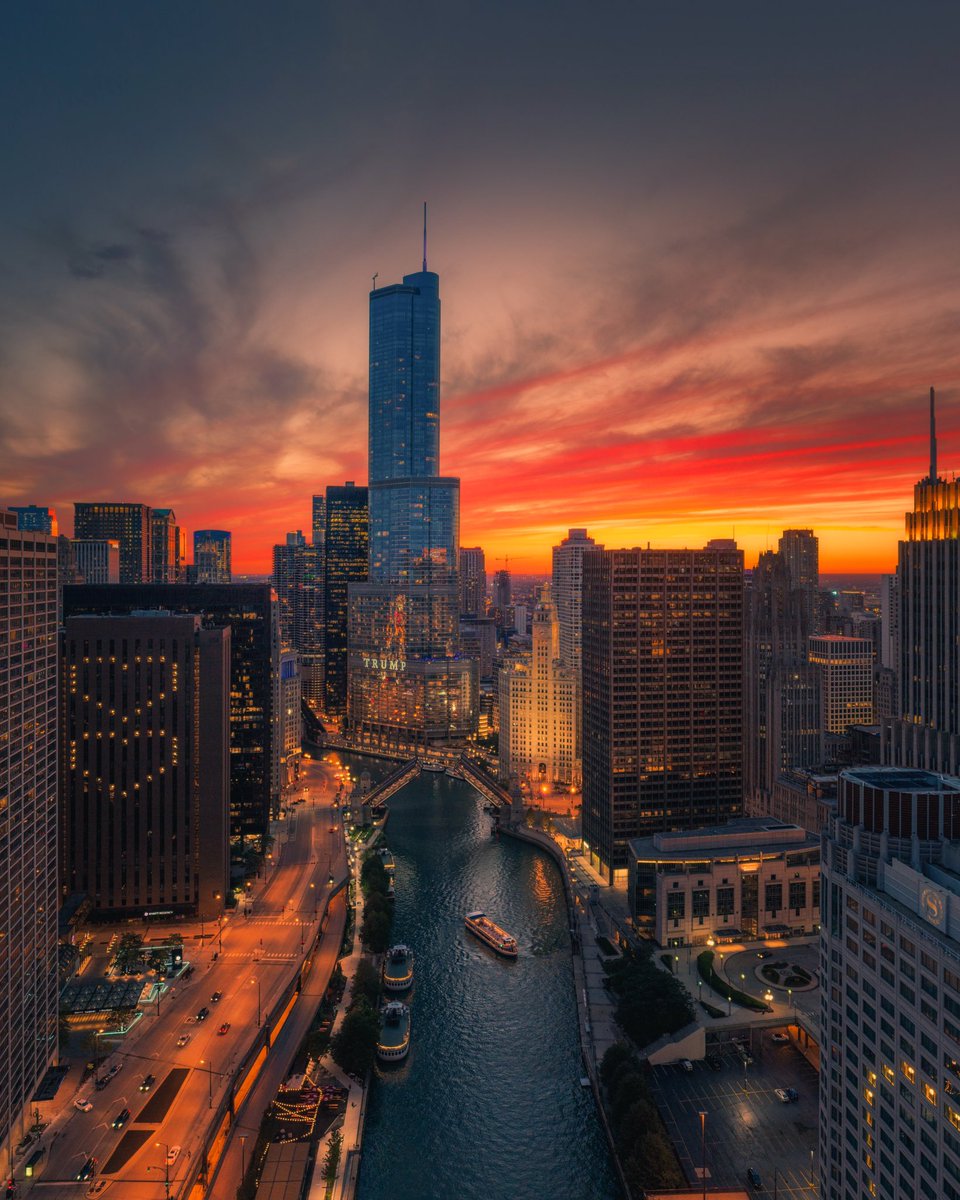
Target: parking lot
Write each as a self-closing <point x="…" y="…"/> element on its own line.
<point x="746" y="1125"/>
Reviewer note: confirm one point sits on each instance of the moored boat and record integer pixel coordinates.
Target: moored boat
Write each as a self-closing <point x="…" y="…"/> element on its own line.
<point x="398" y="968"/>
<point x="394" y="1042"/>
<point x="487" y="931"/>
<point x="456" y="773"/>
<point x="386" y="857"/>
<point x="437" y="767"/>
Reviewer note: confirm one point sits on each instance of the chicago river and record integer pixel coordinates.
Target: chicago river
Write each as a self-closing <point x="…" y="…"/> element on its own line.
<point x="489" y="1101"/>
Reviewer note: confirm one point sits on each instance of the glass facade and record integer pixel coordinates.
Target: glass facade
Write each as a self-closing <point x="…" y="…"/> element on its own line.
<point x="346" y="552"/>
<point x="129" y="524"/>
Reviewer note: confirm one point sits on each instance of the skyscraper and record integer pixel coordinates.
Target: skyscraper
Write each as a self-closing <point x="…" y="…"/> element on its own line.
<point x="36" y="519"/>
<point x="28" y="831"/>
<point x="502" y="592"/>
<point x="345" y="561"/>
<point x="97" y="560"/>
<point x="408" y="685"/>
<point x="800" y="551"/>
<point x="145" y="763"/>
<point x="128" y="524"/>
<point x="167" y="567"/>
<point x="662" y="695"/>
<point x="845" y="665"/>
<point x="568" y="594"/>
<point x="318" y="519"/>
<point x="211" y="555"/>
<point x="890" y="988"/>
<point x="473" y="582"/>
<point x="250" y="609"/>
<point x="927" y="733"/>
<point x="298" y="579"/>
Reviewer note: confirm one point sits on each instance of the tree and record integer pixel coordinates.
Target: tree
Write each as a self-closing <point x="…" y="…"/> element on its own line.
<point x="614" y="1058"/>
<point x="366" y="982"/>
<point x="354" y="1044"/>
<point x="332" y="1158"/>
<point x="128" y="954"/>
<point x="376" y="932"/>
<point x="373" y="875"/>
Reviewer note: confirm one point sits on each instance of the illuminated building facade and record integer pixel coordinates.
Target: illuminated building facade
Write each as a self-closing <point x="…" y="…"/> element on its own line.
<point x="662" y="695"/>
<point x="97" y="560"/>
<point x="473" y="581"/>
<point x="890" y="988"/>
<point x="750" y="878"/>
<point x="291" y="719"/>
<point x="845" y="667"/>
<point x="28" y="832"/>
<point x="408" y="685"/>
<point x="130" y="525"/>
<point x="250" y="610"/>
<point x="538" y="698"/>
<point x="211" y="555"/>
<point x="345" y="561"/>
<point x="145" y="763"/>
<point x="927" y="617"/>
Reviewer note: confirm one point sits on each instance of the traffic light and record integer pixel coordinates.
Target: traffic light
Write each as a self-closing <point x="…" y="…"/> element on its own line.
<point x="11" y="1188"/>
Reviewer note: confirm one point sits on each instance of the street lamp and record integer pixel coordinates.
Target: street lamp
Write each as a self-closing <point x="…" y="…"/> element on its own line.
<point x="166" y="1168"/>
<point x="209" y="1067"/>
<point x="768" y="996"/>
<point x="97" y="1054"/>
<point x="243" y="1157"/>
<point x="676" y="964"/>
<point x="257" y="982"/>
<point x="703" y="1152"/>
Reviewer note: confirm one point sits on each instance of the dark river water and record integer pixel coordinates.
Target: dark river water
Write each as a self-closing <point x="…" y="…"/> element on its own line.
<point x="489" y="1103"/>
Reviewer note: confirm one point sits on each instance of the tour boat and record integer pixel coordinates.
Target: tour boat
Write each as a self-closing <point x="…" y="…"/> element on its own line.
<point x="456" y="773"/>
<point x="394" y="1043"/>
<point x="496" y="938"/>
<point x="398" y="969"/>
<point x="386" y="857"/>
<point x="438" y="767"/>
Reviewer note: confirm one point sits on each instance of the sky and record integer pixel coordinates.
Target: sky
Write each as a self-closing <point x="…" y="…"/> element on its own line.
<point x="699" y="263"/>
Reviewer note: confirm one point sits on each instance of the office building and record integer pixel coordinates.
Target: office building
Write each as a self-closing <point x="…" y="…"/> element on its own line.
<point x="927" y="731"/>
<point x="478" y="641"/>
<point x="408" y="685"/>
<point x="800" y="551"/>
<point x="318" y="520"/>
<point x="662" y="695"/>
<point x="36" y="519"/>
<point x="298" y="580"/>
<point x="250" y="610"/>
<point x="473" y="581"/>
<point x="750" y="878"/>
<point x="28" y="833"/>
<point x="97" y="560"/>
<point x="538" y="710"/>
<point x="890" y="988"/>
<point x="168" y="565"/>
<point x="889" y="623"/>
<point x="806" y="797"/>
<point x="782" y="716"/>
<point x="502" y="592"/>
<point x="568" y="593"/>
<point x="130" y="525"/>
<point x="845" y="666"/>
<point x="291" y="720"/>
<point x="145" y="764"/>
<point x="211" y="555"/>
<point x="345" y="562"/>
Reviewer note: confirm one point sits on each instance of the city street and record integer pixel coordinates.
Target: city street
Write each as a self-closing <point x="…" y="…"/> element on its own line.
<point x="250" y="960"/>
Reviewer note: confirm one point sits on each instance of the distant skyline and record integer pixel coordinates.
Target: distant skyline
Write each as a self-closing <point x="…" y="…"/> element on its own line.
<point x="698" y="272"/>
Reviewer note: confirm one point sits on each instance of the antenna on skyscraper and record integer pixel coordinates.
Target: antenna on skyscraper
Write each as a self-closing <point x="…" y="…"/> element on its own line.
<point x="424" y="235"/>
<point x="933" y="437"/>
<point x="376" y="276"/>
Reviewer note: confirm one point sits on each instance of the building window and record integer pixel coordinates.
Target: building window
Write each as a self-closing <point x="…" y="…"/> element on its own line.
<point x="773" y="897"/>
<point x="701" y="903"/>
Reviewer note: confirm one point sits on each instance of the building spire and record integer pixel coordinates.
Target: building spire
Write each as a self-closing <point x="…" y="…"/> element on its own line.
<point x="424" y="235"/>
<point x="933" y="437"/>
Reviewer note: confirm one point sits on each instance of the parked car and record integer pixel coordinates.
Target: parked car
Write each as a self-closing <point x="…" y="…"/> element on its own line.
<point x="782" y="1096"/>
<point x="172" y="1155"/>
<point x="754" y="1176"/>
<point x="714" y="1062"/>
<point x="792" y="1094"/>
<point x="148" y="1082"/>
<point x="122" y="1117"/>
<point x="780" y="1038"/>
<point x="87" y="1170"/>
<point x="686" y="1064"/>
<point x="83" y="1104"/>
<point x="183" y="1039"/>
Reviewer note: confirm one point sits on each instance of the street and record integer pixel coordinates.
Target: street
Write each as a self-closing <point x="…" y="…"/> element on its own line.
<point x="249" y="960"/>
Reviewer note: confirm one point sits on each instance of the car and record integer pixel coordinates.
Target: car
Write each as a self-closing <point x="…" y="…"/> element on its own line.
<point x="172" y="1153"/>
<point x="183" y="1039"/>
<point x="83" y="1104"/>
<point x="782" y="1096"/>
<point x="203" y="1013"/>
<point x="714" y="1062"/>
<point x="754" y="1176"/>
<point x="216" y="997"/>
<point x="122" y="1117"/>
<point x="763" y="954"/>
<point x="686" y="1064"/>
<point x="792" y="1094"/>
<point x="87" y="1170"/>
<point x="780" y="1038"/>
<point x="148" y="1082"/>
<point x="223" y="1028"/>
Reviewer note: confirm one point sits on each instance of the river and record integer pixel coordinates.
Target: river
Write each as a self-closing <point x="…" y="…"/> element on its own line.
<point x="489" y="1103"/>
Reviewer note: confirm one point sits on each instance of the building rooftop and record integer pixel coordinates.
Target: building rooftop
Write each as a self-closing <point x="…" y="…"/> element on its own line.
<point x="748" y="835"/>
<point x="902" y="779"/>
